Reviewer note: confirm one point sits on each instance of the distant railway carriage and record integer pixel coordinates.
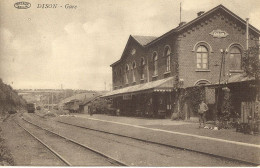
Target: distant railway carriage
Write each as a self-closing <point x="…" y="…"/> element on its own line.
<point x="31" y="107"/>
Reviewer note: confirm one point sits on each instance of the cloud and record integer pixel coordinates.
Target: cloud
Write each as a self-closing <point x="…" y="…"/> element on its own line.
<point x="255" y="18"/>
<point x="21" y="59"/>
<point x="193" y="5"/>
<point x="81" y="54"/>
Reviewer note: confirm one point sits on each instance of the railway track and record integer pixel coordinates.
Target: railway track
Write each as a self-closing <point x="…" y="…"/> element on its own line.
<point x="70" y="152"/>
<point x="44" y="144"/>
<point x="155" y="143"/>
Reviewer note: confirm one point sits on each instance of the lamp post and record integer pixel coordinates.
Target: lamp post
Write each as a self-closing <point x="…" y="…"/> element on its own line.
<point x="223" y="52"/>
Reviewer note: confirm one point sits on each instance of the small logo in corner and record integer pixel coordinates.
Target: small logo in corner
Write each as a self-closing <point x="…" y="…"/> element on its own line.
<point x="22" y="5"/>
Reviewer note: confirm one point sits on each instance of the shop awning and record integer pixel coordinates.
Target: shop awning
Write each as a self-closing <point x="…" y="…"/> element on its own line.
<point x="163" y="85"/>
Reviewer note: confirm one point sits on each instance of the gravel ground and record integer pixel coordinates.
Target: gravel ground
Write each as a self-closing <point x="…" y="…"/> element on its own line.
<point x="25" y="150"/>
<point x="236" y="151"/>
<point x="136" y="153"/>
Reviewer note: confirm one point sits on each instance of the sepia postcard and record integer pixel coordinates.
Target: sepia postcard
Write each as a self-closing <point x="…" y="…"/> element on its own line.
<point x="151" y="83"/>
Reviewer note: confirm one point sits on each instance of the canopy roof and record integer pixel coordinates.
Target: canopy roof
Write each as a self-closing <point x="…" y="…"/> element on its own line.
<point x="237" y="78"/>
<point x="163" y="85"/>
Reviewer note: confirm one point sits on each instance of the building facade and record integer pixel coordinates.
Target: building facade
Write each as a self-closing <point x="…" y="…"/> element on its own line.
<point x="151" y="69"/>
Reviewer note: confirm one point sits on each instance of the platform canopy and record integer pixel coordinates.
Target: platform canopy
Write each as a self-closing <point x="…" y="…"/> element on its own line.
<point x="234" y="79"/>
<point x="237" y="78"/>
<point x="163" y="85"/>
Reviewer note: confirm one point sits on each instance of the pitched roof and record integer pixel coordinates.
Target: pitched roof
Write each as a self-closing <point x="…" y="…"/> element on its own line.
<point x="141" y="40"/>
<point x="84" y="102"/>
<point x="144" y="40"/>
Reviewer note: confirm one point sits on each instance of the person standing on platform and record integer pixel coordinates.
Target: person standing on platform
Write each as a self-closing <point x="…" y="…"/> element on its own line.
<point x="203" y="108"/>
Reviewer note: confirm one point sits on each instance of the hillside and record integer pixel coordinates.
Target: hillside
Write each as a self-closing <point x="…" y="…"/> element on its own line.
<point x="9" y="99"/>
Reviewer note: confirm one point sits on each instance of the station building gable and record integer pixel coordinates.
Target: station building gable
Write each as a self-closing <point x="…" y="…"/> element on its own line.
<point x="127" y="71"/>
<point x="193" y="49"/>
<point x="200" y="46"/>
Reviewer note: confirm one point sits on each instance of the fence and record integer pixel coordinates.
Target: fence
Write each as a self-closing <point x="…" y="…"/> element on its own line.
<point x="249" y="110"/>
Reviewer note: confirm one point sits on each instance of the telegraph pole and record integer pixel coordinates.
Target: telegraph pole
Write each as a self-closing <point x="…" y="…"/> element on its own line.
<point x="180" y="12"/>
<point x="247" y="32"/>
<point x="48" y="101"/>
<point x="147" y="70"/>
<point x="220" y="74"/>
<point x="52" y="100"/>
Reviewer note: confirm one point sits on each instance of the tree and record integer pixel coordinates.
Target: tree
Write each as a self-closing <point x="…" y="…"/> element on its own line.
<point x="250" y="62"/>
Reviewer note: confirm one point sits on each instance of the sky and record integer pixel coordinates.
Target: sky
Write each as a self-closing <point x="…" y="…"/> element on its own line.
<point x="45" y="48"/>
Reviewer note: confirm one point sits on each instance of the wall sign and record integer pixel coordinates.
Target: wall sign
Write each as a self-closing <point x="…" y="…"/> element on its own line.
<point x="219" y="33"/>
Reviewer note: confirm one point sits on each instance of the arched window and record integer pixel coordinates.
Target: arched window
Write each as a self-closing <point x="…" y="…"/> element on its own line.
<point x="235" y="57"/>
<point x="167" y="53"/>
<point x="126" y="72"/>
<point x="142" y="63"/>
<point x="134" y="66"/>
<point x="155" y="63"/>
<point x="202" y="82"/>
<point x="127" y="67"/>
<point x="202" y="57"/>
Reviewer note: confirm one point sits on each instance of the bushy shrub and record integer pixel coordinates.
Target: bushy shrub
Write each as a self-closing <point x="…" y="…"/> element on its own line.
<point x="5" y="155"/>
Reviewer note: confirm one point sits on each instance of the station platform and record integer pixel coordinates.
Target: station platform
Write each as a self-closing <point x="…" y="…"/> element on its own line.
<point x="182" y="134"/>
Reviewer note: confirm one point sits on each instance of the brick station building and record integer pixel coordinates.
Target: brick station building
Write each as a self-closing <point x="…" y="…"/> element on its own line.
<point x="151" y="69"/>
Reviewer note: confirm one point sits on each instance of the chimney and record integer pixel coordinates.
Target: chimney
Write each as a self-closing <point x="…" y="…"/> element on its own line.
<point x="200" y="13"/>
<point x="182" y="23"/>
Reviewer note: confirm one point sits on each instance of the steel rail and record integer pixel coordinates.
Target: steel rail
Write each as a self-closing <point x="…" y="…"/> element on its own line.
<point x="48" y="147"/>
<point x="158" y="143"/>
<point x="109" y="159"/>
